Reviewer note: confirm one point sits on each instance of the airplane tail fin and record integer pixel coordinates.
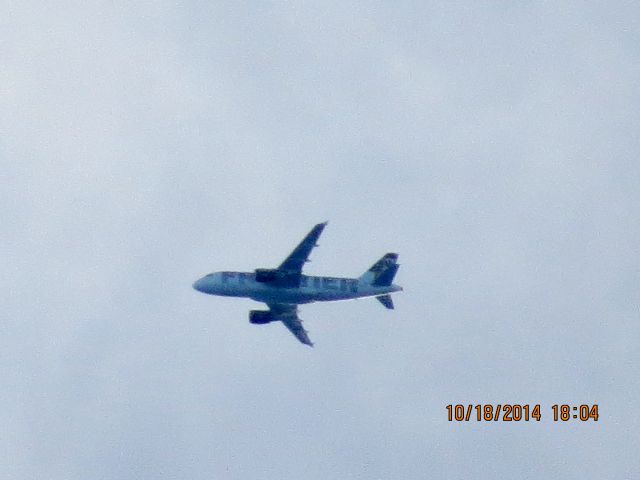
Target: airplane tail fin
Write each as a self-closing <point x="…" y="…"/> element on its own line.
<point x="382" y="272"/>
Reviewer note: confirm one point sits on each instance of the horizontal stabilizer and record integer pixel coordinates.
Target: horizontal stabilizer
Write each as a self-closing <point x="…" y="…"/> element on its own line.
<point x="385" y="300"/>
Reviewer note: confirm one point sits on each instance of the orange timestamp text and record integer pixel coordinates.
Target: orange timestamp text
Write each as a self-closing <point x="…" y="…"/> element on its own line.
<point x="519" y="412"/>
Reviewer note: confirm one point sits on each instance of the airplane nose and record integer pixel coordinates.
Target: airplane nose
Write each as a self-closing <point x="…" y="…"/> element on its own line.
<point x="199" y="285"/>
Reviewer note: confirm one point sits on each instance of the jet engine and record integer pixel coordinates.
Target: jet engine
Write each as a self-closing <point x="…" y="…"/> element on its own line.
<point x="260" y="317"/>
<point x="266" y="275"/>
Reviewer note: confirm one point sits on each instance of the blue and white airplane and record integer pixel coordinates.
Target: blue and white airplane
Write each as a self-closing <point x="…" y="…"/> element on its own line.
<point x="285" y="287"/>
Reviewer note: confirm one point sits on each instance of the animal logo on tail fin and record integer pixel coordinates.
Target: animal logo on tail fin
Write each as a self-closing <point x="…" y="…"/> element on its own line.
<point x="382" y="272"/>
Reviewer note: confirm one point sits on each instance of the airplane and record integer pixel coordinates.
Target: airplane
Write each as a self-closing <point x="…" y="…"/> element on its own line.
<point x="285" y="287"/>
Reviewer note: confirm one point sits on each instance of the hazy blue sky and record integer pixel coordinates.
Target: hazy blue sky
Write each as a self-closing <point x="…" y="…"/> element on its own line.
<point x="144" y="144"/>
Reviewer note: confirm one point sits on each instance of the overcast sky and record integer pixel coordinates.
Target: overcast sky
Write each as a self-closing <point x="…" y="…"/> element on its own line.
<point x="493" y="146"/>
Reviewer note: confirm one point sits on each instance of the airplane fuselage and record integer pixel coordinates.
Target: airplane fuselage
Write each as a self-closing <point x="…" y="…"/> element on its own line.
<point x="311" y="288"/>
<point x="285" y="287"/>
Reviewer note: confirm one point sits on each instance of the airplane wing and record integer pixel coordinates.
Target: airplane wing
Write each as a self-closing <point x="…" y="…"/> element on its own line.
<point x="294" y="262"/>
<point x="288" y="314"/>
